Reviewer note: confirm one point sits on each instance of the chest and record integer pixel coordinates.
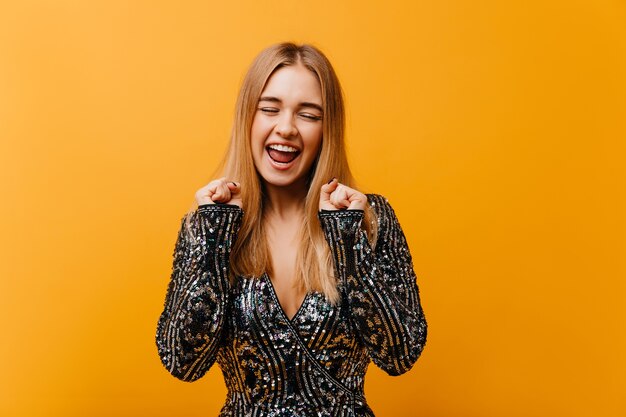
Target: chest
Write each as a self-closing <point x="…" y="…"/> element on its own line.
<point x="275" y="358"/>
<point x="283" y="248"/>
<point x="257" y="314"/>
<point x="283" y="252"/>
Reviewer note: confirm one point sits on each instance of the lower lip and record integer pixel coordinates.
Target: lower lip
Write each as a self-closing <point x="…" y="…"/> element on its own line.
<point x="279" y="165"/>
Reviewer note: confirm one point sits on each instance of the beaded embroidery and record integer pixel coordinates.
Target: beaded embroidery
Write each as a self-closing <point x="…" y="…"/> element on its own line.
<point x="315" y="363"/>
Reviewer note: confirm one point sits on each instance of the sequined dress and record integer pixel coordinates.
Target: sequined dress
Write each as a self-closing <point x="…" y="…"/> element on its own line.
<point x="313" y="364"/>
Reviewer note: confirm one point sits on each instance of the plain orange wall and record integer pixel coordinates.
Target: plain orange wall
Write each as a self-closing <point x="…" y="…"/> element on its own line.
<point x="496" y="129"/>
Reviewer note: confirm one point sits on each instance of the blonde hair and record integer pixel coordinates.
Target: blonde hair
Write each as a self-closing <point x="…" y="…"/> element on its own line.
<point x="250" y="256"/>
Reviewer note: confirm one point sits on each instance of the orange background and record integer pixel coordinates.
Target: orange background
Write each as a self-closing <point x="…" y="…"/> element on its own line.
<point x="496" y="129"/>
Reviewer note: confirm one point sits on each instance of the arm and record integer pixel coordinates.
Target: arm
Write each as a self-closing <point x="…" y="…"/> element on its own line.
<point x="380" y="286"/>
<point x="193" y="319"/>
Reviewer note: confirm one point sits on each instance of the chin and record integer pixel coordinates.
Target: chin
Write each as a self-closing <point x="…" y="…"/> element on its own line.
<point x="278" y="181"/>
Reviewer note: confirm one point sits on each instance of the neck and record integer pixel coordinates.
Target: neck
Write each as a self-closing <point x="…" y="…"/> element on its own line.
<point x="285" y="202"/>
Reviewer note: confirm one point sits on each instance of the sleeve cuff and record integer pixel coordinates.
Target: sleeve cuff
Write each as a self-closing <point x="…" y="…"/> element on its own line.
<point x="343" y="224"/>
<point x="218" y="207"/>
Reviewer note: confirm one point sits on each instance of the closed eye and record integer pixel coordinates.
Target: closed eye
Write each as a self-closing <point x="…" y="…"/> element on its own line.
<point x="272" y="110"/>
<point x="311" y="116"/>
<point x="268" y="110"/>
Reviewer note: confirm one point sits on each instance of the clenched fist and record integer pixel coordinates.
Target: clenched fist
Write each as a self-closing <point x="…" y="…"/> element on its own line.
<point x="336" y="196"/>
<point x="220" y="191"/>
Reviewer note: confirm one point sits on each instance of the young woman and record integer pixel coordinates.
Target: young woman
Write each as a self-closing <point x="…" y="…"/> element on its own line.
<point x="285" y="274"/>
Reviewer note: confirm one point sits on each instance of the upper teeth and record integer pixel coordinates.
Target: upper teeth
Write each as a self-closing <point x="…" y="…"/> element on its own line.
<point x="283" y="148"/>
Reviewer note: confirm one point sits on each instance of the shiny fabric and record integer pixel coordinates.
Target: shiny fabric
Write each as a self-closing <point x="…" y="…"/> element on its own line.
<point x="313" y="364"/>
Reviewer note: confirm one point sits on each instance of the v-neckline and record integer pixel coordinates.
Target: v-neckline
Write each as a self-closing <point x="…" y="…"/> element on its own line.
<point x="280" y="306"/>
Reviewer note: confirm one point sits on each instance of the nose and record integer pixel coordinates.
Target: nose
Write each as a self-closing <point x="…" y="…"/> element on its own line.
<point x="285" y="126"/>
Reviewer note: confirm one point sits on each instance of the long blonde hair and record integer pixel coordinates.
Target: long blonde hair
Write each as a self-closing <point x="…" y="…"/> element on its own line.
<point x="250" y="256"/>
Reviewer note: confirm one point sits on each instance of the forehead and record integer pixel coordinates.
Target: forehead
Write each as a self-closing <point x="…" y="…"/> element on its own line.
<point x="294" y="82"/>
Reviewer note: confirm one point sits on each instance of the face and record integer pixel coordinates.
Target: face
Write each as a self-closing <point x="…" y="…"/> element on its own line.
<point x="286" y="132"/>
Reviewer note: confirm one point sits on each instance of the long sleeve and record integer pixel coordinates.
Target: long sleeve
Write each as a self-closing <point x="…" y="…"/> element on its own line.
<point x="380" y="285"/>
<point x="190" y="327"/>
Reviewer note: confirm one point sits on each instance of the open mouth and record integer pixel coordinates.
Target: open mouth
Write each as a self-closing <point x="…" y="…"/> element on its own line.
<point x="282" y="154"/>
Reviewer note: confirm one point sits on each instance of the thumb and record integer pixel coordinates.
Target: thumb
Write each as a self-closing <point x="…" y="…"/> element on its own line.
<point x="235" y="189"/>
<point x="327" y="189"/>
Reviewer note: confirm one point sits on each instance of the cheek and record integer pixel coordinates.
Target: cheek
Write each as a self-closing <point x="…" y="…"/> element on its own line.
<point x="314" y="138"/>
<point x="258" y="135"/>
<point x="255" y="131"/>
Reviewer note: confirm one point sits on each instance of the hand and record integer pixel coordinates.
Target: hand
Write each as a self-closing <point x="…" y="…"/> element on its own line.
<point x="336" y="196"/>
<point x="220" y="191"/>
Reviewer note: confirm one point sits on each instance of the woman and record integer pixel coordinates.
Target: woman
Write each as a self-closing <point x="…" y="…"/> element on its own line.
<point x="290" y="282"/>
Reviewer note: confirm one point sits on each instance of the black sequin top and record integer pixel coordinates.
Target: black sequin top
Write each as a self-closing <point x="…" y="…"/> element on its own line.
<point x="314" y="363"/>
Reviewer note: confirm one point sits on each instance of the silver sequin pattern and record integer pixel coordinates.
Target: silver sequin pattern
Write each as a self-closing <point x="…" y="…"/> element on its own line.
<point x="313" y="364"/>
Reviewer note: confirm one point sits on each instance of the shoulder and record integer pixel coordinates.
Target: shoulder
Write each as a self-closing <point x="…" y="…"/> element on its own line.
<point x="389" y="231"/>
<point x="379" y="203"/>
<point x="382" y="208"/>
<point x="376" y="200"/>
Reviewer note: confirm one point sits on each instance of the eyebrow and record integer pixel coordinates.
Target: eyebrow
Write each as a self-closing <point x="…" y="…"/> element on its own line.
<point x="302" y="104"/>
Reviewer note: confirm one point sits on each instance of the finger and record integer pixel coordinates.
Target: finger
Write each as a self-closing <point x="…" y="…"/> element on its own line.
<point x="216" y="183"/>
<point x="235" y="189"/>
<point x="355" y="204"/>
<point x="328" y="188"/>
<point x="206" y="189"/>
<point x="339" y="197"/>
<point x="221" y="192"/>
<point x="233" y="186"/>
<point x="211" y="191"/>
<point x="344" y="203"/>
<point x="225" y="192"/>
<point x="358" y="201"/>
